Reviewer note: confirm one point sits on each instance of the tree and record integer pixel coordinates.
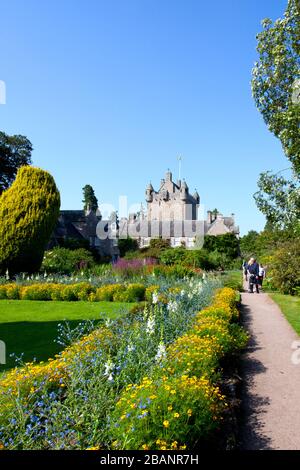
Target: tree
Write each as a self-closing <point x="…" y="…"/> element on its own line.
<point x="127" y="245"/>
<point x="15" y="151"/>
<point x="278" y="199"/>
<point x="275" y="77"/>
<point x="248" y="244"/>
<point x="29" y="210"/>
<point x="89" y="199"/>
<point x="226" y="244"/>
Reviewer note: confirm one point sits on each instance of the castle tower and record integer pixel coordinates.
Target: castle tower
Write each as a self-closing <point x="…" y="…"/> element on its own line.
<point x="172" y="202"/>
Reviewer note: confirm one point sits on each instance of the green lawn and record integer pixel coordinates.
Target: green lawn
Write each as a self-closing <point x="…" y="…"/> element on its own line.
<point x="30" y="327"/>
<point x="290" y="306"/>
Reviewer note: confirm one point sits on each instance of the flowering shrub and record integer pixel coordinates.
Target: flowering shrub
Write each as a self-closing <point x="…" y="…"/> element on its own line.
<point x="129" y="268"/>
<point x="180" y="404"/>
<point x="95" y="393"/>
<point x="73" y="292"/>
<point x="132" y="293"/>
<point x="169" y="413"/>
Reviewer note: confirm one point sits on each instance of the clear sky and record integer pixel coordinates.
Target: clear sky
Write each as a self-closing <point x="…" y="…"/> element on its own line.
<point x="110" y="92"/>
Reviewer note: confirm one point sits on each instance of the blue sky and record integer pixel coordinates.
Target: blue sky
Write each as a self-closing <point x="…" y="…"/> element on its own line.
<point x="110" y="92"/>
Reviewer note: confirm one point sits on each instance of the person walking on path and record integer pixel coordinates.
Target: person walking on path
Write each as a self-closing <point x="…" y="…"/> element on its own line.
<point x="261" y="275"/>
<point x="253" y="272"/>
<point x="245" y="272"/>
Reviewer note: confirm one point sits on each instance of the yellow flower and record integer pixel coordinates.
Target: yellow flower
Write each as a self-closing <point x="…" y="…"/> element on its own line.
<point x="182" y="447"/>
<point x="189" y="412"/>
<point x="173" y="392"/>
<point x="93" y="448"/>
<point x="170" y="408"/>
<point x="166" y="423"/>
<point x="176" y="415"/>
<point x="145" y="447"/>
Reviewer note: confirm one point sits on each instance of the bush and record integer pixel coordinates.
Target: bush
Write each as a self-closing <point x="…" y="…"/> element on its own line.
<point x="107" y="292"/>
<point x="132" y="293"/>
<point x="28" y="212"/>
<point x="66" y="261"/>
<point x="284" y="271"/>
<point x="127" y="245"/>
<point x="227" y="244"/>
<point x="172" y="256"/>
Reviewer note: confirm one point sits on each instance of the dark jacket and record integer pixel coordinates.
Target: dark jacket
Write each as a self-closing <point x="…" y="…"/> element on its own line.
<point x="253" y="269"/>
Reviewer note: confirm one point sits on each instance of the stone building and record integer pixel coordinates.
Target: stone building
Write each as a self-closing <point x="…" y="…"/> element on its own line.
<point x="170" y="206"/>
<point x="81" y="225"/>
<point x="172" y="212"/>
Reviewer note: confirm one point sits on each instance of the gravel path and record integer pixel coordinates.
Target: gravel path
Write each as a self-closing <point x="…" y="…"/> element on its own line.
<point x="270" y="411"/>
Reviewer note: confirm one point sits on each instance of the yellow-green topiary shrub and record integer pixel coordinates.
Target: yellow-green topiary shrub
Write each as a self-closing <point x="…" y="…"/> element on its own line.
<point x="28" y="212"/>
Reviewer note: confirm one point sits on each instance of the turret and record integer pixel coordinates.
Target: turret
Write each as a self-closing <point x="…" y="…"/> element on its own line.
<point x="149" y="193"/>
<point x="184" y="191"/>
<point x="196" y="196"/>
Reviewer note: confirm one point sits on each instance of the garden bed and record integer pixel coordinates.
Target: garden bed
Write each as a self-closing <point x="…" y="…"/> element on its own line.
<point x="146" y="381"/>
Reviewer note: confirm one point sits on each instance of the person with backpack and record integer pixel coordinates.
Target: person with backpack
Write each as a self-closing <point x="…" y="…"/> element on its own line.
<point x="253" y="272"/>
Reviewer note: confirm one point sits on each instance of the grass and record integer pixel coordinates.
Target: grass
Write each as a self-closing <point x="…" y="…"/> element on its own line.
<point x="233" y="279"/>
<point x="290" y="307"/>
<point x="30" y="327"/>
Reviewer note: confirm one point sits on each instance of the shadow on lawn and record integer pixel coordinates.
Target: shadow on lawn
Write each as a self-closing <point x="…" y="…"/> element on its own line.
<point x="34" y="339"/>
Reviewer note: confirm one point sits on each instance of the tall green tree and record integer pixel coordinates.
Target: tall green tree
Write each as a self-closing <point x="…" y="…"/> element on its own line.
<point x="29" y="210"/>
<point x="89" y="199"/>
<point x="274" y="84"/>
<point x="15" y="151"/>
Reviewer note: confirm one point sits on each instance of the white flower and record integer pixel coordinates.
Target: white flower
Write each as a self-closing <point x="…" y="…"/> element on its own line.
<point x="150" y="325"/>
<point x="108" y="372"/>
<point x="130" y="347"/>
<point x="7" y="275"/>
<point x="154" y="298"/>
<point x="161" y="352"/>
<point x="172" y="306"/>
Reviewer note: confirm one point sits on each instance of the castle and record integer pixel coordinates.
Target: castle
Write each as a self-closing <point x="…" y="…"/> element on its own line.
<point x="171" y="206"/>
<point x="172" y="212"/>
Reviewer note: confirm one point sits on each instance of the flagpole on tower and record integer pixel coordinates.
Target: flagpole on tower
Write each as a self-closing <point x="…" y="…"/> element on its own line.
<point x="179" y="158"/>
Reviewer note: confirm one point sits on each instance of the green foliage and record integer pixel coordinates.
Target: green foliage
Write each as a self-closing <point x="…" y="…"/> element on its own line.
<point x="263" y="244"/>
<point x="284" y="272"/>
<point x="65" y="261"/>
<point x="234" y="280"/>
<point x="274" y="87"/>
<point x="28" y="212"/>
<point x="133" y="293"/>
<point x="160" y="243"/>
<point x="248" y="244"/>
<point x="279" y="200"/>
<point x="89" y="199"/>
<point x="127" y="245"/>
<point x="198" y="259"/>
<point x="172" y="256"/>
<point x="15" y="151"/>
<point x="274" y="79"/>
<point x="74" y="243"/>
<point x="226" y="244"/>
